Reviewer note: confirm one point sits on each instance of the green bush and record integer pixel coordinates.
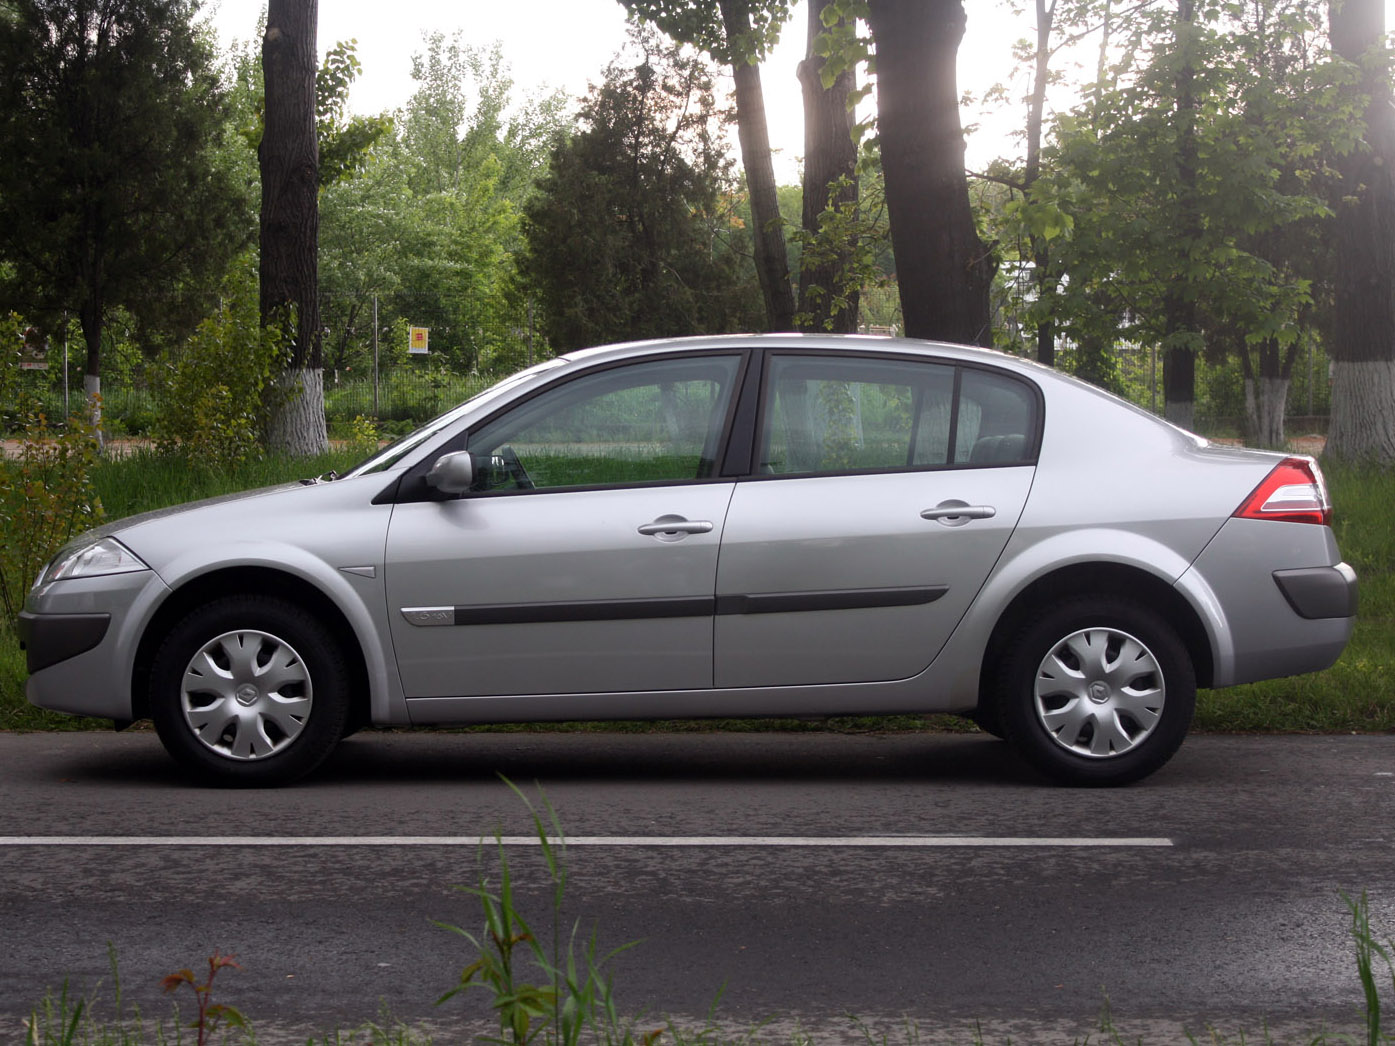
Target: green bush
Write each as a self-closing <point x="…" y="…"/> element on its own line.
<point x="213" y="393"/>
<point x="46" y="496"/>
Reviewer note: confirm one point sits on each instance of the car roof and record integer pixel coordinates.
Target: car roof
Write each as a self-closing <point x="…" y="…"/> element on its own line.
<point x="870" y="344"/>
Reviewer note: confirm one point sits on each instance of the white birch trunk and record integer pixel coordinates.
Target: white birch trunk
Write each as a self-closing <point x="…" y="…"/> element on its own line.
<point x="92" y="389"/>
<point x="297" y="424"/>
<point x="1265" y="403"/>
<point x="1363" y="412"/>
<point x="1251" y="409"/>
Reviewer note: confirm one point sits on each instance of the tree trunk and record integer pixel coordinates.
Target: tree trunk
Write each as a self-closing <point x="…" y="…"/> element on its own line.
<point x="827" y="299"/>
<point x="295" y="428"/>
<point x="1179" y="387"/>
<point x="1266" y="394"/>
<point x="1363" y="336"/>
<point x="289" y="159"/>
<point x="772" y="262"/>
<point x="943" y="269"/>
<point x="90" y="319"/>
<point x="1179" y="300"/>
<point x="1042" y="276"/>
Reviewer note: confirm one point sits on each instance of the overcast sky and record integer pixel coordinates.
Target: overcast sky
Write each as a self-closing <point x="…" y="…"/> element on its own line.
<point x="567" y="43"/>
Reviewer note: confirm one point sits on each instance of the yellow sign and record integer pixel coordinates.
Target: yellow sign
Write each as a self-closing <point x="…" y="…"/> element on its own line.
<point x="417" y="340"/>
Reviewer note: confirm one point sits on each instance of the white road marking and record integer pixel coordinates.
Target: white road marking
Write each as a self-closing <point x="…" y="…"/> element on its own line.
<point x="714" y="841"/>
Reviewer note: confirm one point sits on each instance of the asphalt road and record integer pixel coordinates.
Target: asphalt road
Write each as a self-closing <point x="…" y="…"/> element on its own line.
<point x="1205" y="896"/>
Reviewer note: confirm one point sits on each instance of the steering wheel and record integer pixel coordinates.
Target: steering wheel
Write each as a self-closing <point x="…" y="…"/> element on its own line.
<point x="515" y="468"/>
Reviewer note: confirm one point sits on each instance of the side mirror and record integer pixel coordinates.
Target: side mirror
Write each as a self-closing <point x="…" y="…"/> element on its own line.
<point x="452" y="473"/>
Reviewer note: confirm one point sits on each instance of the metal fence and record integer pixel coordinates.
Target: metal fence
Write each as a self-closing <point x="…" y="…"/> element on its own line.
<point x="400" y="389"/>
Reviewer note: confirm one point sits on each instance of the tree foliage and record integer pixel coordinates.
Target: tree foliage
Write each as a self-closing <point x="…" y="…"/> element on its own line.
<point x="1192" y="232"/>
<point x="110" y="193"/>
<point x="213" y="389"/>
<point x="739" y="33"/>
<point x="628" y="232"/>
<point x="346" y="141"/>
<point x="430" y="227"/>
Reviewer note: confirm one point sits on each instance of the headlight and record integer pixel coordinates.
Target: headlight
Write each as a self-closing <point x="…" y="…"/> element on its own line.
<point x="103" y="556"/>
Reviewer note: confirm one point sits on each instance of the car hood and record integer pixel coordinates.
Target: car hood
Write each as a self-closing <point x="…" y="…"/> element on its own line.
<point x="328" y="521"/>
<point x="119" y="526"/>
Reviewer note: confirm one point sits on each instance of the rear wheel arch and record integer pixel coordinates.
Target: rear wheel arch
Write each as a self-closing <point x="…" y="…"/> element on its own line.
<point x="257" y="581"/>
<point x="1099" y="690"/>
<point x="1105" y="581"/>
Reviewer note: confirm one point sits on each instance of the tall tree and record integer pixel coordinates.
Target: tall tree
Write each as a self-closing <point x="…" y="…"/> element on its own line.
<point x="1181" y="337"/>
<point x="1189" y="187"/>
<point x="628" y="233"/>
<point x="290" y="161"/>
<point x="110" y="120"/>
<point x="828" y="299"/>
<point x="1363" y="334"/>
<point x="739" y="33"/>
<point x="943" y="268"/>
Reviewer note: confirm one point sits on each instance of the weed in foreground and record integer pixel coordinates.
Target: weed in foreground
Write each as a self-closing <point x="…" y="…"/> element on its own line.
<point x="211" y="1015"/>
<point x="572" y="995"/>
<point x="66" y="1020"/>
<point x="1368" y="949"/>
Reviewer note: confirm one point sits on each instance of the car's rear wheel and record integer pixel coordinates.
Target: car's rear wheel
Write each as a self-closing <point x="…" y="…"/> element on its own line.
<point x="249" y="690"/>
<point x="1097" y="691"/>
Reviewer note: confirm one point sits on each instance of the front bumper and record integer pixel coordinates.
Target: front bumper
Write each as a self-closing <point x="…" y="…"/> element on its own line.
<point x="47" y="639"/>
<point x="80" y="637"/>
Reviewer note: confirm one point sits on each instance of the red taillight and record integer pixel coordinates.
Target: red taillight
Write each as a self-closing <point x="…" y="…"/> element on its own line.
<point x="1293" y="493"/>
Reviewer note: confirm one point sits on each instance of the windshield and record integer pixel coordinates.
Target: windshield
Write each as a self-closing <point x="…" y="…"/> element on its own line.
<point x="399" y="448"/>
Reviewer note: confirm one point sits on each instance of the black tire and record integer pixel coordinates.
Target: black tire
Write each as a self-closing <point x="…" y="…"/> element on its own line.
<point x="249" y="690"/>
<point x="1097" y="690"/>
<point x="985" y="717"/>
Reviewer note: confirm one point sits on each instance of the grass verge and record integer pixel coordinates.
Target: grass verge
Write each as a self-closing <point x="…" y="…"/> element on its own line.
<point x="1355" y="695"/>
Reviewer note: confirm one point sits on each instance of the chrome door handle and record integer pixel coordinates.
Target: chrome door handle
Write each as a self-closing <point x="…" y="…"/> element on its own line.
<point x="674" y="527"/>
<point x="957" y="514"/>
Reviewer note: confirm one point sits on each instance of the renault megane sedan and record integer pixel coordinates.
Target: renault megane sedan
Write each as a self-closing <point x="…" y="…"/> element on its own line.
<point x="776" y="525"/>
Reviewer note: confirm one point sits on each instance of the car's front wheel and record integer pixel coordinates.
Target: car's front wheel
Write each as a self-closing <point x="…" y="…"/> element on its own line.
<point x="1097" y="691"/>
<point x="249" y="690"/>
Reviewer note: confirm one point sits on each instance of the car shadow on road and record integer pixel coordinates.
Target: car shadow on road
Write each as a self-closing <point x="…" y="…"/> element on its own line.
<point x="420" y="758"/>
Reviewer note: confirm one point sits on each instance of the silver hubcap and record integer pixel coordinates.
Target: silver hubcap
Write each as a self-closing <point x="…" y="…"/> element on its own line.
<point x="1099" y="692"/>
<point x="246" y="695"/>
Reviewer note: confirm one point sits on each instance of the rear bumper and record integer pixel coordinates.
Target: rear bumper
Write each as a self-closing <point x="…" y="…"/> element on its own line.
<point x="1319" y="592"/>
<point x="1281" y="602"/>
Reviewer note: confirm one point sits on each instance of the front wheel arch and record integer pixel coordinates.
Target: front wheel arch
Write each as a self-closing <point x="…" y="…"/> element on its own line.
<point x="251" y="581"/>
<point x="249" y="689"/>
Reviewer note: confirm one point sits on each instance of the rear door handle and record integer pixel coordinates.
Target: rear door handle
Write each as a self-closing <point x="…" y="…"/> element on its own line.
<point x="672" y="528"/>
<point x="956" y="514"/>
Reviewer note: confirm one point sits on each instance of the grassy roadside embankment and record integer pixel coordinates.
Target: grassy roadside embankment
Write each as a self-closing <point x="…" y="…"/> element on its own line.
<point x="1355" y="695"/>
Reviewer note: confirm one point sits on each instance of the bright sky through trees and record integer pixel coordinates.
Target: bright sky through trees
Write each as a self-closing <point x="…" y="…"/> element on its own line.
<point x="567" y="44"/>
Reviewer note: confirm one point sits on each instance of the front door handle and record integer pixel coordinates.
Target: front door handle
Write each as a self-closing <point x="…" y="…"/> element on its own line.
<point x="957" y="513"/>
<point x="671" y="528"/>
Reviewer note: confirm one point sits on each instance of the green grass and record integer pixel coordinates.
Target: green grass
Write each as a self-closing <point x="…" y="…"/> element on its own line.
<point x="1358" y="692"/>
<point x="1355" y="695"/>
<point x="144" y="480"/>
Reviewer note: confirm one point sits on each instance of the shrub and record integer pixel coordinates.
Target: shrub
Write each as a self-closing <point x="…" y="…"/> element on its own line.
<point x="213" y="395"/>
<point x="46" y="496"/>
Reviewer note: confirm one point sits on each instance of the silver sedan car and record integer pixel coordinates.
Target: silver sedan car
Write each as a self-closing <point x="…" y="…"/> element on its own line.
<point x="779" y="525"/>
